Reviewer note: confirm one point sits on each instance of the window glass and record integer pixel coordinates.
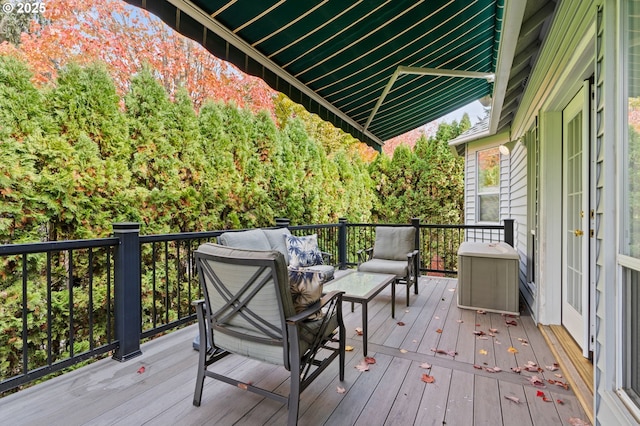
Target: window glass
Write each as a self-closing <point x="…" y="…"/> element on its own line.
<point x="630" y="239"/>
<point x="631" y="245"/>
<point x="488" y="185"/>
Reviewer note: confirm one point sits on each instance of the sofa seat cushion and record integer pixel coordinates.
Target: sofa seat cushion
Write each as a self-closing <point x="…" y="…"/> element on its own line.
<point x="384" y="266"/>
<point x="326" y="271"/>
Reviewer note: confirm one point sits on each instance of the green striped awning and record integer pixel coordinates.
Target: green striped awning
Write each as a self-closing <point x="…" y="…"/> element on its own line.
<point x="374" y="68"/>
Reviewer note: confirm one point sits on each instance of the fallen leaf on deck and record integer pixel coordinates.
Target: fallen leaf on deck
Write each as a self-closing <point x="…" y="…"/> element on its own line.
<point x="425" y="365"/>
<point x="415" y="341"/>
<point x="400" y="323"/>
<point x="531" y="364"/>
<point x="359" y="331"/>
<point x="403" y="351"/>
<point x="512" y="350"/>
<point x="493" y="370"/>
<point x="497" y="342"/>
<point x="481" y="312"/>
<point x="340" y="389"/>
<point x="478" y="332"/>
<point x="492" y="335"/>
<point x="553" y="367"/>
<point x="516" y="369"/>
<point x="574" y="421"/>
<point x="370" y="360"/>
<point x="406" y="311"/>
<point x="559" y="401"/>
<point x="511" y="322"/>
<point x="483" y="338"/>
<point x="477" y="367"/>
<point x="348" y="348"/>
<point x="452" y="289"/>
<point x="439" y="330"/>
<point x="536" y="381"/>
<point x="428" y="379"/>
<point x="540" y="394"/>
<point x="141" y="370"/>
<point x="436" y="317"/>
<point x="493" y="330"/>
<point x="559" y="376"/>
<point x="483" y="352"/>
<point x="362" y="366"/>
<point x="562" y="384"/>
<point x="513" y="398"/>
<point x="443" y="352"/>
<point x="459" y="321"/>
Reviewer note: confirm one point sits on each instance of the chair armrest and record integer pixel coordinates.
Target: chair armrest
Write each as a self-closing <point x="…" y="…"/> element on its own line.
<point x="313" y="309"/>
<point x="195" y="303"/>
<point x="326" y="257"/>
<point x="412" y="254"/>
<point x="364" y="255"/>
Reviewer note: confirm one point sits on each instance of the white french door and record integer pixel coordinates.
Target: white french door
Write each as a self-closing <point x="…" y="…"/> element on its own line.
<point x="576" y="213"/>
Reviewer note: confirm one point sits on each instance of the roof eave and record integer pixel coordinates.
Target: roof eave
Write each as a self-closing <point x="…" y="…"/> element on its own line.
<point x="511" y="24"/>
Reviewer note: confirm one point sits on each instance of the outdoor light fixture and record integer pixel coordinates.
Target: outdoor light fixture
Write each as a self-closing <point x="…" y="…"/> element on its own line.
<point x="506" y="148"/>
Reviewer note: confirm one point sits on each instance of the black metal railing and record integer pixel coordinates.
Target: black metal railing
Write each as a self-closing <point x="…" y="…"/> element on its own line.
<point x="65" y="302"/>
<point x="57" y="307"/>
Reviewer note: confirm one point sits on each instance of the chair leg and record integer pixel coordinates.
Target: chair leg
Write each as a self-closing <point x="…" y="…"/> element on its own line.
<point x="202" y="356"/>
<point x="408" y="287"/>
<point x="294" y="394"/>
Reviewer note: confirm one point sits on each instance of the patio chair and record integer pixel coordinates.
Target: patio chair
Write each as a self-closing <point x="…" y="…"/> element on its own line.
<point x="248" y="310"/>
<point x="393" y="253"/>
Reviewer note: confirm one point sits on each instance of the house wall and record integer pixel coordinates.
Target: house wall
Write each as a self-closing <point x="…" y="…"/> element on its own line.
<point x="583" y="40"/>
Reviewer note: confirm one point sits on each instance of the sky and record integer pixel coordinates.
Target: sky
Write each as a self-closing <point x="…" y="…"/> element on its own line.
<point x="474" y="109"/>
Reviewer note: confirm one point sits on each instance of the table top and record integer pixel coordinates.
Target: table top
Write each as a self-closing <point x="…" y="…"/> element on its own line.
<point x="359" y="286"/>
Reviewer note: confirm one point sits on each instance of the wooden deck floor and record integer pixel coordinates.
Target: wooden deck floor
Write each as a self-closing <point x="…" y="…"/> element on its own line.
<point x="390" y="393"/>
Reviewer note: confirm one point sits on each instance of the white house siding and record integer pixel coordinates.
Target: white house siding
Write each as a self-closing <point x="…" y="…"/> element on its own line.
<point x="609" y="409"/>
<point x="470" y="179"/>
<point x="517" y="195"/>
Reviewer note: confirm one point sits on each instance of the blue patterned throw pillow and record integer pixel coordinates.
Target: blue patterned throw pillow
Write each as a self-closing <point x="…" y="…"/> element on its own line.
<point x="303" y="251"/>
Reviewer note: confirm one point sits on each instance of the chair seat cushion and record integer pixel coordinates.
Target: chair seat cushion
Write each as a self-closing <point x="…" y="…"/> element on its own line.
<point x="400" y="268"/>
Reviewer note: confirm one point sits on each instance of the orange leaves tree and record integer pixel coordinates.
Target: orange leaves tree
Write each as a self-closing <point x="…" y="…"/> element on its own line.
<point x="127" y="38"/>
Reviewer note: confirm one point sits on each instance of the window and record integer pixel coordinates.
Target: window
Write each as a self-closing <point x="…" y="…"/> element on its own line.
<point x="488" y="206"/>
<point x="630" y="238"/>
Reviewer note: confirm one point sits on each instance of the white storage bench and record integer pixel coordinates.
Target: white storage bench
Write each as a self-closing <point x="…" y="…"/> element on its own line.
<point x="488" y="277"/>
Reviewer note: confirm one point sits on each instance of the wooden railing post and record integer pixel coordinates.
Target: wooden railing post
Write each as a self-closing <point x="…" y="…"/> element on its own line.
<point x="127" y="299"/>
<point x="342" y="242"/>
<point x="508" y="231"/>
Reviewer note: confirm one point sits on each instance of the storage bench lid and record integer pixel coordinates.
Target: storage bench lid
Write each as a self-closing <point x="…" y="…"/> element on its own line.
<point x="499" y="250"/>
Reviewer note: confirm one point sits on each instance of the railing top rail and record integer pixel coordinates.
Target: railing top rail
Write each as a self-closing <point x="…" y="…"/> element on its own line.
<point x="430" y="225"/>
<point x="323" y="225"/>
<point x="182" y="236"/>
<point x="49" y="246"/>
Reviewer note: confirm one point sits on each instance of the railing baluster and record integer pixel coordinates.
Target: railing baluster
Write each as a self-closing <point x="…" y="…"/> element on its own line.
<point x="25" y="330"/>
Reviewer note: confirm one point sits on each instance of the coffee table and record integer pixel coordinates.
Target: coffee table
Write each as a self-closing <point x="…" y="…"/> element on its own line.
<point x="361" y="287"/>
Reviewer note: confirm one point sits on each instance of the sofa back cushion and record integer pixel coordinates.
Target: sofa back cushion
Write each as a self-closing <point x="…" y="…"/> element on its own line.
<point x="276" y="239"/>
<point x="254" y="239"/>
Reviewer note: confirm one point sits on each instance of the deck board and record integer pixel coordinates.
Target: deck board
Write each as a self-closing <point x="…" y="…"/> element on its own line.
<point x="391" y="392"/>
